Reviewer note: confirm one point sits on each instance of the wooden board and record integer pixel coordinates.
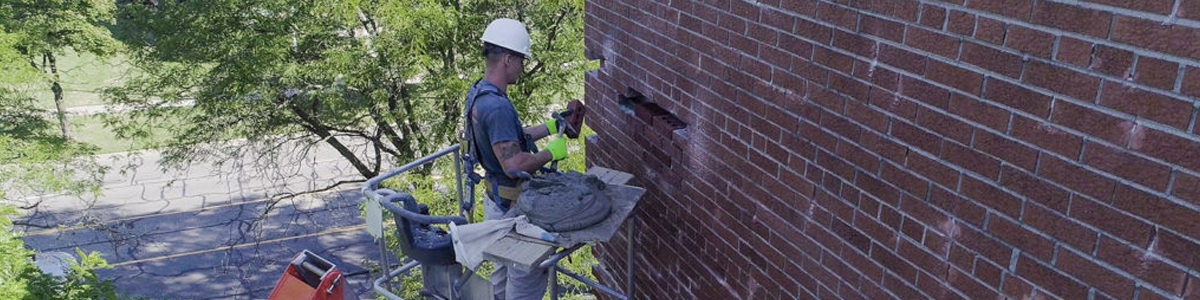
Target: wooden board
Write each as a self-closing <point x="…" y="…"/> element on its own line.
<point x="610" y="176"/>
<point x="518" y="251"/>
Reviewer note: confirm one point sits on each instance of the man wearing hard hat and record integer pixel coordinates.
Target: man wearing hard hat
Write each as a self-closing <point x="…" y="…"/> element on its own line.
<point x="503" y="145"/>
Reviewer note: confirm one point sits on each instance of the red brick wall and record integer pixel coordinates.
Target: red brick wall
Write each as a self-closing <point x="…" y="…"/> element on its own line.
<point x="881" y="149"/>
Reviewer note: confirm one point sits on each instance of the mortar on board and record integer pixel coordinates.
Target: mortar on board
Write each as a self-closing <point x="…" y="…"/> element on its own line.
<point x="564" y="202"/>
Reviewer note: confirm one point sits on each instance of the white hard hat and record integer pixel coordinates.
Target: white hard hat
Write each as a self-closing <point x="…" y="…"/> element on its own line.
<point x="510" y="34"/>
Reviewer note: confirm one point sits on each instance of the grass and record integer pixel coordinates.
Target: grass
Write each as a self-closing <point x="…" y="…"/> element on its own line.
<point x="83" y="76"/>
<point x="91" y="130"/>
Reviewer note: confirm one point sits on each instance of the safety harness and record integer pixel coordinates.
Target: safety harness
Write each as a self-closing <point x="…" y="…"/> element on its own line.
<point x="504" y="194"/>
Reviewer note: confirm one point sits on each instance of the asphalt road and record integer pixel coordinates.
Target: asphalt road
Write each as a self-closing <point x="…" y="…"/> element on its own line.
<point x="202" y="234"/>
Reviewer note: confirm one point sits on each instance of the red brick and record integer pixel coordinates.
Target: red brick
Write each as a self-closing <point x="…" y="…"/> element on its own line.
<point x="905" y="181"/>
<point x="1076" y="178"/>
<point x="1006" y="149"/>
<point x="961" y="23"/>
<point x="871" y="72"/>
<point x="876" y="188"/>
<point x="1142" y="103"/>
<point x="1086" y="270"/>
<point x="1128" y="166"/>
<point x="991" y="30"/>
<point x="962" y="79"/>
<point x="1147" y="294"/>
<point x="854" y="43"/>
<point x="1077" y="85"/>
<point x="845" y="18"/>
<point x="1190" y="9"/>
<point x="1024" y="239"/>
<point x="979" y="111"/>
<point x="1046" y="136"/>
<point x="1191" y="81"/>
<point x="803" y="7"/>
<point x="961" y="208"/>
<point x="813" y="31"/>
<point x="809" y="71"/>
<point x="971" y="160"/>
<point x="1159" y="210"/>
<point x="893" y="103"/>
<point x="1050" y="279"/>
<point x="1156" y="73"/>
<point x="1074" y="51"/>
<point x="1154" y="36"/>
<point x="933" y="16"/>
<point x="924" y="92"/>
<point x="944" y="125"/>
<point x="1062" y="228"/>
<point x="866" y="115"/>
<point x="849" y="86"/>
<point x="1162" y="7"/>
<point x="777" y="20"/>
<point x="916" y="137"/>
<point x="1018" y="97"/>
<point x="989" y="273"/>
<point x="1178" y="249"/>
<point x="1017" y="287"/>
<point x="1187" y="187"/>
<point x="1092" y="122"/>
<point x="906" y="10"/>
<point x="1111" y="220"/>
<point x="833" y="59"/>
<point x="1072" y="18"/>
<point x="1168" y="147"/>
<point x="993" y="197"/>
<point x="1112" y="61"/>
<point x="932" y="169"/>
<point x="1144" y="266"/>
<point x="932" y="41"/>
<point x="903" y="59"/>
<point x="1031" y="41"/>
<point x="890" y="30"/>
<point x="1036" y="189"/>
<point x="883" y="7"/>
<point x="987" y="247"/>
<point x="1017" y="9"/>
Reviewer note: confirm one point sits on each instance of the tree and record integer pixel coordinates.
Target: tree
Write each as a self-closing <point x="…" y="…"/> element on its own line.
<point x="33" y="158"/>
<point x="389" y="74"/>
<point x="49" y="28"/>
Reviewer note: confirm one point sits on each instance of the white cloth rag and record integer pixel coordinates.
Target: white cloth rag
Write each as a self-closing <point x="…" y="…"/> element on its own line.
<point x="470" y="240"/>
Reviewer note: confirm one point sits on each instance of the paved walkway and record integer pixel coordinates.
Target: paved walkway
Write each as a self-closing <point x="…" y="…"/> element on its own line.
<point x="200" y="234"/>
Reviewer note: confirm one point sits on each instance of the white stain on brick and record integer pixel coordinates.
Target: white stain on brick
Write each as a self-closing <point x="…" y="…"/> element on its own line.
<point x="1136" y="136"/>
<point x="1045" y="127"/>
<point x="874" y="61"/>
<point x="952" y="230"/>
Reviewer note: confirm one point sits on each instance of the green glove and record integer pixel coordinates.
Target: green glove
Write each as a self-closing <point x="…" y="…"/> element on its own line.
<point x="558" y="148"/>
<point x="552" y="126"/>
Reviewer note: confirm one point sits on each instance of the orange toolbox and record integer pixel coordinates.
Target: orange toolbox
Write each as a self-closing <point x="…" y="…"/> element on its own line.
<point x="309" y="277"/>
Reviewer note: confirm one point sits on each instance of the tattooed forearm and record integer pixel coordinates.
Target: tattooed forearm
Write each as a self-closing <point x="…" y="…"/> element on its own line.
<point x="506" y="150"/>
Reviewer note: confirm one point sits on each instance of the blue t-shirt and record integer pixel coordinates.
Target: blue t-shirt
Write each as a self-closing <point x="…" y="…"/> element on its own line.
<point x="494" y="120"/>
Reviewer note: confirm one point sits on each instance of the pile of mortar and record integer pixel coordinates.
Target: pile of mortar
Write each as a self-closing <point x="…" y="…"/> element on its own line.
<point x="564" y="202"/>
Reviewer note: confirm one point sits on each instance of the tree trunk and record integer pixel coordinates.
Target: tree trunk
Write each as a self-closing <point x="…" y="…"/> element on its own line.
<point x="58" y="96"/>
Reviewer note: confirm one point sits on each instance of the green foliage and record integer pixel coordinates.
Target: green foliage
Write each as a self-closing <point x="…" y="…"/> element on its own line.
<point x="35" y="160"/>
<point x="391" y="74"/>
<point x="21" y="279"/>
<point x="54" y="26"/>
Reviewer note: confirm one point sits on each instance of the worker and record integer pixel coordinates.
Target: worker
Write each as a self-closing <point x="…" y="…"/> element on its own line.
<point x="504" y="146"/>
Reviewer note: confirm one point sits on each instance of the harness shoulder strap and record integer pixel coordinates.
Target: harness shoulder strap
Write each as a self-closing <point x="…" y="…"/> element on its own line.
<point x="470" y="123"/>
